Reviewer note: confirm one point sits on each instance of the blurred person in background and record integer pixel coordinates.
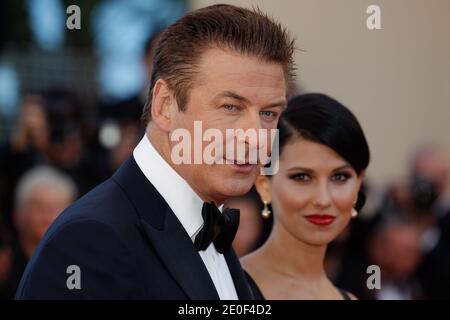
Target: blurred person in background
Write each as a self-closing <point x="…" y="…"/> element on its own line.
<point x="421" y="201"/>
<point x="396" y="199"/>
<point x="67" y="149"/>
<point x="423" y="198"/>
<point x="25" y="148"/>
<point x="5" y="261"/>
<point x="49" y="130"/>
<point x="423" y="195"/>
<point x="430" y="165"/>
<point x="431" y="212"/>
<point x="323" y="155"/>
<point x="434" y="271"/>
<point x="395" y="248"/>
<point x="41" y="195"/>
<point x="254" y="229"/>
<point x="32" y="130"/>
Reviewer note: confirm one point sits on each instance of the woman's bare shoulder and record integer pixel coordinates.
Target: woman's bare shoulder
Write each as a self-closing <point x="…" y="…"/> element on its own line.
<point x="252" y="262"/>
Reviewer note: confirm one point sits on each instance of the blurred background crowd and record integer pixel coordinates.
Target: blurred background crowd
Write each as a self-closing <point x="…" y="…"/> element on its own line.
<point x="70" y="106"/>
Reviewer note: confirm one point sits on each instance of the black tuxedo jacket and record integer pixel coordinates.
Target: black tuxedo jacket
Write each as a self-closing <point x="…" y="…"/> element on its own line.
<point x="127" y="244"/>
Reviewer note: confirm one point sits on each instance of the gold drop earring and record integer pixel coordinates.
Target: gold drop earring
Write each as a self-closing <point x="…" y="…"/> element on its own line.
<point x="266" y="211"/>
<point x="354" y="212"/>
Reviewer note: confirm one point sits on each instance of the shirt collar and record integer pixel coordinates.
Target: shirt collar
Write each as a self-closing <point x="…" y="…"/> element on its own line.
<point x="178" y="194"/>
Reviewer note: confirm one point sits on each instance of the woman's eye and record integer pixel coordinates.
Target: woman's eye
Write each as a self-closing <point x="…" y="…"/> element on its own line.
<point x="340" y="177"/>
<point x="301" y="177"/>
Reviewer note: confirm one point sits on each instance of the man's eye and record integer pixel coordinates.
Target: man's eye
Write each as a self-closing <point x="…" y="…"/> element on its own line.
<point x="230" y="107"/>
<point x="340" y="177"/>
<point x="301" y="177"/>
<point x="268" y="114"/>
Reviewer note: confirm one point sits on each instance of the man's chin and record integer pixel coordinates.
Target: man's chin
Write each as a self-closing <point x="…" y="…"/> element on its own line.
<point x="229" y="184"/>
<point x="235" y="188"/>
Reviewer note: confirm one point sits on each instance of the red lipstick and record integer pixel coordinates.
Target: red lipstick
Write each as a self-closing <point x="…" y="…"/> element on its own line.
<point x="320" y="219"/>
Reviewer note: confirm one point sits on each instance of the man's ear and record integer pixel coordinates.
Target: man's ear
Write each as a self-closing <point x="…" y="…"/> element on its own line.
<point x="162" y="103"/>
<point x="262" y="185"/>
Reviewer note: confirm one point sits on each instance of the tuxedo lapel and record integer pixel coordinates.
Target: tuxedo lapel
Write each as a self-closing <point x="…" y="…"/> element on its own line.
<point x="180" y="257"/>
<point x="166" y="234"/>
<point x="239" y="279"/>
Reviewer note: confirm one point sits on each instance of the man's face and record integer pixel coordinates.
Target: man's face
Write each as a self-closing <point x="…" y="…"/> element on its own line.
<point x="230" y="91"/>
<point x="40" y="209"/>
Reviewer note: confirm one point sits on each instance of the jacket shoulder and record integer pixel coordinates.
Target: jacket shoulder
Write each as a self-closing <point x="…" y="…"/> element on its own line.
<point x="81" y="259"/>
<point x="93" y="234"/>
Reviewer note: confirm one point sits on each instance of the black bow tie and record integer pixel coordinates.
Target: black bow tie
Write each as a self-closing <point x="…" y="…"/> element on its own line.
<point x="218" y="227"/>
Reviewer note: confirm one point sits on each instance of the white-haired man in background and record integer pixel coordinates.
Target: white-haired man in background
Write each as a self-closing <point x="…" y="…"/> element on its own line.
<point x="41" y="195"/>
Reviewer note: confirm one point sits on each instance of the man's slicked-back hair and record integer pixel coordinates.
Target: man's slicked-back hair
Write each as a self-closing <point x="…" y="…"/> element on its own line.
<point x="246" y="31"/>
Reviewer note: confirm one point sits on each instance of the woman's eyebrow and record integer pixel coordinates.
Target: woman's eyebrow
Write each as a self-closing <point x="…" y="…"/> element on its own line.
<point x="304" y="169"/>
<point x="345" y="166"/>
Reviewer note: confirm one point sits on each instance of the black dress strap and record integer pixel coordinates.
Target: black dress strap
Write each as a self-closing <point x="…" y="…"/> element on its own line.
<point x="256" y="292"/>
<point x="344" y="294"/>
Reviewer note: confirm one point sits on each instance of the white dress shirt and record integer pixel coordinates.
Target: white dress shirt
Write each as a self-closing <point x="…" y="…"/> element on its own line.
<point x="187" y="206"/>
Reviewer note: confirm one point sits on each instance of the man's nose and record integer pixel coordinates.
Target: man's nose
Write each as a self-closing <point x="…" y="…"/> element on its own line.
<point x="251" y="120"/>
<point x="251" y="125"/>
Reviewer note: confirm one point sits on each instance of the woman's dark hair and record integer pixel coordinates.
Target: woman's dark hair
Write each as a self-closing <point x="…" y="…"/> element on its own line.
<point x="319" y="118"/>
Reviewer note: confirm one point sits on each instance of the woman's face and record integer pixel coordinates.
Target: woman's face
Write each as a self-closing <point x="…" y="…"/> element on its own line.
<point x="313" y="193"/>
